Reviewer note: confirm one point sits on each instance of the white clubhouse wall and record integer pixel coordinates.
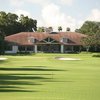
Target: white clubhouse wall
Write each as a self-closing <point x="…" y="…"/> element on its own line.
<point x="14" y="50"/>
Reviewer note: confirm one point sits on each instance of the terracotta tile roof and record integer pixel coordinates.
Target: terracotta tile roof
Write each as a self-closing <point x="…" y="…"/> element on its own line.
<point x="22" y="38"/>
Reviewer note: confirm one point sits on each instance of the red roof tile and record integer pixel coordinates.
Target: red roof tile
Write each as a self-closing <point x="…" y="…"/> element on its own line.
<point x="22" y="38"/>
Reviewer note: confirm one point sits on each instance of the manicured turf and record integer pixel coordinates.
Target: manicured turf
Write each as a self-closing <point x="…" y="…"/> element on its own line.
<point x="42" y="77"/>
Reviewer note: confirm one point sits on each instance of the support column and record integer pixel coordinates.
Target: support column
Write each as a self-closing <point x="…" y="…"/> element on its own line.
<point x="62" y="48"/>
<point x="25" y="49"/>
<point x="35" y="48"/>
<point x="80" y="48"/>
<point x="72" y="48"/>
<point x="14" y="49"/>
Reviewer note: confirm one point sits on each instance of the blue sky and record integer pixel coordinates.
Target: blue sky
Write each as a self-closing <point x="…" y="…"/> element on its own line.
<point x="65" y="13"/>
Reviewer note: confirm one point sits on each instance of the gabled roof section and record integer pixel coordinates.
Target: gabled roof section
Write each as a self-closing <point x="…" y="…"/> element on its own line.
<point x="49" y="39"/>
<point x="72" y="36"/>
<point x="22" y="38"/>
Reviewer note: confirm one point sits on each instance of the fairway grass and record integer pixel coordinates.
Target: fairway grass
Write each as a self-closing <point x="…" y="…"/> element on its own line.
<point x="42" y="77"/>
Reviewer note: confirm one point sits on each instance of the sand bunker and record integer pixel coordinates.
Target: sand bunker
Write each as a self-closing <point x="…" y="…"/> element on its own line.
<point x="3" y="58"/>
<point x="63" y="58"/>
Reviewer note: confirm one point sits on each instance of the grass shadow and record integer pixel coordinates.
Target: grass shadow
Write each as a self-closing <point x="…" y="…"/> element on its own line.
<point x="6" y="86"/>
<point x="30" y="69"/>
<point x="60" y="81"/>
<point x="15" y="83"/>
<point x="27" y="74"/>
<point x="15" y="90"/>
<point x="10" y="82"/>
<point x="18" y="77"/>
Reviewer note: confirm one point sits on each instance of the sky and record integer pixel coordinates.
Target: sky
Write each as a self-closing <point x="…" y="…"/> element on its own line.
<point x="65" y="13"/>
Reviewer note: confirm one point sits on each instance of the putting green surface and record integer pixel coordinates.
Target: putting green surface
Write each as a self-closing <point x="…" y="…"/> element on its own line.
<point x="42" y="77"/>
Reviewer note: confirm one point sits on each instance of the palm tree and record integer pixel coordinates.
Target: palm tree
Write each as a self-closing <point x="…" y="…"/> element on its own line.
<point x="59" y="28"/>
<point x="68" y="29"/>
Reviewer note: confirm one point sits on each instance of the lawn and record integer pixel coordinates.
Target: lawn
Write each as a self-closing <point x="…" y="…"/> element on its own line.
<point x="42" y="77"/>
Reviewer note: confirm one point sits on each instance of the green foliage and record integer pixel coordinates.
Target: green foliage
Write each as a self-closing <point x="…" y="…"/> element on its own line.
<point x="96" y="38"/>
<point x="96" y="55"/>
<point x="59" y="28"/>
<point x="28" y="23"/>
<point x="51" y="28"/>
<point x="1" y="43"/>
<point x="45" y="29"/>
<point x="68" y="29"/>
<point x="92" y="29"/>
<point x="89" y="28"/>
<point x="10" y="23"/>
<point x="91" y="41"/>
<point x="40" y="29"/>
<point x="87" y="42"/>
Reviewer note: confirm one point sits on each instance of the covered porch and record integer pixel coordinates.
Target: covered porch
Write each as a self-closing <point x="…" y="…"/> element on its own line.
<point x="71" y="48"/>
<point x="48" y="48"/>
<point x="45" y="48"/>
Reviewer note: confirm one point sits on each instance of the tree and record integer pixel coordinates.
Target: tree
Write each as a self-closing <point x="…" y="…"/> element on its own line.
<point x="96" y="41"/>
<point x="87" y="42"/>
<point x="40" y="29"/>
<point x="10" y="23"/>
<point x="92" y="29"/>
<point x="1" y="43"/>
<point x="91" y="41"/>
<point x="13" y="26"/>
<point x="89" y="28"/>
<point x="50" y="29"/>
<point x="59" y="28"/>
<point x="45" y="29"/>
<point x="68" y="29"/>
<point x="28" y="24"/>
<point x="3" y="21"/>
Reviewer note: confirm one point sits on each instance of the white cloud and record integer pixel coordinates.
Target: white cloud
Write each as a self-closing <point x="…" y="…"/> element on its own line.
<point x="16" y="3"/>
<point x="52" y="16"/>
<point x="46" y="2"/>
<point x="79" y="23"/>
<point x="19" y="3"/>
<point x="39" y="2"/>
<point x="95" y="15"/>
<point x="67" y="2"/>
<point x="19" y="12"/>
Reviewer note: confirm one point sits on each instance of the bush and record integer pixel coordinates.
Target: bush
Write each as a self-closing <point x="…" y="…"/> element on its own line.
<point x="96" y="55"/>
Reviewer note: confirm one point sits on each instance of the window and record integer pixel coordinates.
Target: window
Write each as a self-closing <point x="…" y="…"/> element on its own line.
<point x="21" y="48"/>
<point x="31" y="39"/>
<point x="65" y="40"/>
<point x="30" y="48"/>
<point x="8" y="48"/>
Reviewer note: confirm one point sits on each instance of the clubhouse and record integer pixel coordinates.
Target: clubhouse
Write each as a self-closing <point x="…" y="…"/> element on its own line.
<point x="34" y="42"/>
